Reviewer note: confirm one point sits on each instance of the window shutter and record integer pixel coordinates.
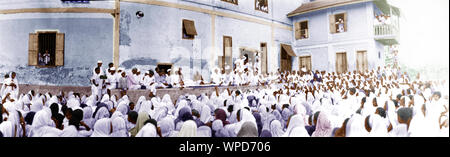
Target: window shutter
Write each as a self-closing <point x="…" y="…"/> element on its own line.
<point x="33" y="49"/>
<point x="345" y="22"/>
<point x="297" y="30"/>
<point x="59" y="52"/>
<point x="332" y="24"/>
<point x="189" y="26"/>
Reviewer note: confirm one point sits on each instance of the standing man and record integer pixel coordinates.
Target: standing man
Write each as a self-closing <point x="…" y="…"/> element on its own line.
<point x="11" y="85"/>
<point x="97" y="84"/>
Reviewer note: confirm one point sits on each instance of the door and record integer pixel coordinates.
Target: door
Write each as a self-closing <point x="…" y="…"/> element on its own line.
<point x="306" y="62"/>
<point x="361" y="61"/>
<point x="263" y="58"/>
<point x="227" y="59"/>
<point x="341" y="62"/>
<point x="285" y="61"/>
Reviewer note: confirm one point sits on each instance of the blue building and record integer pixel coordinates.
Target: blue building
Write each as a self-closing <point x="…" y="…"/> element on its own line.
<point x="58" y="42"/>
<point x="344" y="35"/>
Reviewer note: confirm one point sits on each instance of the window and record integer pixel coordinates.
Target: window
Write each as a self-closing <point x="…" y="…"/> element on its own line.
<point x="189" y="31"/>
<point x="262" y="5"/>
<point x="338" y="23"/>
<point x="46" y="49"/>
<point x="231" y="1"/>
<point x="301" y="30"/>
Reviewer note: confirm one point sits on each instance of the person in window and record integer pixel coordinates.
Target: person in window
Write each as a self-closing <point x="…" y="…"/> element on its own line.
<point x="340" y="24"/>
<point x="41" y="59"/>
<point x="46" y="57"/>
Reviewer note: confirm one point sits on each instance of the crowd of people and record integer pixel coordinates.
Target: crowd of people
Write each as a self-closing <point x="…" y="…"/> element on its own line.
<point x="382" y="102"/>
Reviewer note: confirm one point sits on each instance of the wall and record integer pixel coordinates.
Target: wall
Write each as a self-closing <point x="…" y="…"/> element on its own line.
<point x="157" y="39"/>
<point x="88" y="38"/>
<point x="144" y="42"/>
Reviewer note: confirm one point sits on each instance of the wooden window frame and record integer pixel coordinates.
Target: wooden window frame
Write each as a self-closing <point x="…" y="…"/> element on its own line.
<point x="336" y="27"/>
<point x="184" y="31"/>
<point x="265" y="11"/>
<point x="56" y="32"/>
<point x="300" y="29"/>
<point x="346" y="62"/>
<point x="228" y="1"/>
<point x="310" y="62"/>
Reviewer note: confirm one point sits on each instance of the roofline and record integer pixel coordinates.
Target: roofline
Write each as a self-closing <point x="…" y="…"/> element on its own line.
<point x="327" y="7"/>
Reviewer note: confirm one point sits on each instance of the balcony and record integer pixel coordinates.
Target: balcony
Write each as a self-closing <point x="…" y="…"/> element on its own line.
<point x="386" y="34"/>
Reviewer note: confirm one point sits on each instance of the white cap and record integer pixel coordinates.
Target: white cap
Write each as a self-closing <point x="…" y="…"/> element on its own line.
<point x="169" y="70"/>
<point x="121" y="69"/>
<point x="99" y="61"/>
<point x="112" y="68"/>
<point x="146" y="72"/>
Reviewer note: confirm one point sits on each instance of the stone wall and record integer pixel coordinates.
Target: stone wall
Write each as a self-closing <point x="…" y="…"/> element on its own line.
<point x="132" y="94"/>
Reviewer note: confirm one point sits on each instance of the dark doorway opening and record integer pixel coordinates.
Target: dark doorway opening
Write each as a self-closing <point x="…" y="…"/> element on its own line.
<point x="47" y="47"/>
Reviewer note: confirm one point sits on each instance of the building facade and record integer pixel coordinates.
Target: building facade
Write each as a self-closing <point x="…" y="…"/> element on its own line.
<point x="53" y="42"/>
<point x="344" y="35"/>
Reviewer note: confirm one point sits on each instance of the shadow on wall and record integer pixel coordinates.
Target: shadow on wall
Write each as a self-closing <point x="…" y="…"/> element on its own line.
<point x="60" y="76"/>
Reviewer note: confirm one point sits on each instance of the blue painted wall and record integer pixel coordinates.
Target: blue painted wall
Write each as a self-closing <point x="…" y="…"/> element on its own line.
<point x="86" y="41"/>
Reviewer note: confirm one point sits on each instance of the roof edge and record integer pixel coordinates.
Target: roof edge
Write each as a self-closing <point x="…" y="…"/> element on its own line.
<point x="291" y="14"/>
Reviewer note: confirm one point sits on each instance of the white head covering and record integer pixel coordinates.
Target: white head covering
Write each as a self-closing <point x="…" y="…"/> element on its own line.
<point x="204" y="131"/>
<point x="102" y="113"/>
<point x="36" y="105"/>
<point x="69" y="131"/>
<point x="102" y="128"/>
<point x="205" y="114"/>
<point x="146" y="107"/>
<point x="189" y="129"/>
<point x="276" y="128"/>
<point x="378" y="126"/>
<point x="355" y="127"/>
<point x="42" y="124"/>
<point x="6" y="128"/>
<point x="167" y="126"/>
<point x="87" y="116"/>
<point x="149" y="130"/>
<point x="296" y="121"/>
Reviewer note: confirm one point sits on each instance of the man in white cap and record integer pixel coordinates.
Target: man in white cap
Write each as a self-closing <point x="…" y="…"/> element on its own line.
<point x="99" y="65"/>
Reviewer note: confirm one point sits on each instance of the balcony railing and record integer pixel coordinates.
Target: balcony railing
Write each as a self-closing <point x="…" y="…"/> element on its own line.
<point x="385" y="30"/>
<point x="386" y="34"/>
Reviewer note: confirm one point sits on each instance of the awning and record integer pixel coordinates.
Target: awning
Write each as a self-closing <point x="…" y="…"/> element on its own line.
<point x="249" y="49"/>
<point x="190" y="27"/>
<point x="288" y="49"/>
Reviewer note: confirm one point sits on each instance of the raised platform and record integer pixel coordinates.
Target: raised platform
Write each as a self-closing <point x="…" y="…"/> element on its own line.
<point x="132" y="94"/>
